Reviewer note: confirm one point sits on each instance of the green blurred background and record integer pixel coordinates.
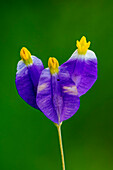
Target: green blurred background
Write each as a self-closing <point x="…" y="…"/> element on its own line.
<point x="28" y="140"/>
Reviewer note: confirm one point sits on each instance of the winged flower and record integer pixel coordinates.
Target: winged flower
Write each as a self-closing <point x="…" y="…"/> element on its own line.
<point x="56" y="90"/>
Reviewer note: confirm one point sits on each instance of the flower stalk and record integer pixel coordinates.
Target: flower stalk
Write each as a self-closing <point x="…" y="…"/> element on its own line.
<point x="61" y="145"/>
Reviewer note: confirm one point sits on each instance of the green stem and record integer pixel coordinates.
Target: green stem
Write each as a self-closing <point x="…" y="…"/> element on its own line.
<point x="61" y="145"/>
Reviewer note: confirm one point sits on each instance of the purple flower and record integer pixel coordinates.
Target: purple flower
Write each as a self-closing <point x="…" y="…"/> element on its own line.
<point x="56" y="90"/>
<point x="82" y="66"/>
<point x="57" y="95"/>
<point x="27" y="76"/>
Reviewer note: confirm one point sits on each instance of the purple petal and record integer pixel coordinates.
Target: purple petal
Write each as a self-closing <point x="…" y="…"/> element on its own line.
<point x="27" y="78"/>
<point x="35" y="71"/>
<point x="83" y="70"/>
<point x="57" y="95"/>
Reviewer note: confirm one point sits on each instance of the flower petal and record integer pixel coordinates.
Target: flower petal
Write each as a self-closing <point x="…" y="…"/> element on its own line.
<point x="83" y="70"/>
<point x="27" y="78"/>
<point x="57" y="95"/>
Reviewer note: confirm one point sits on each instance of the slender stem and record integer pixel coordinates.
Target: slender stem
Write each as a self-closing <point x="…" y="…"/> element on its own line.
<point x="61" y="145"/>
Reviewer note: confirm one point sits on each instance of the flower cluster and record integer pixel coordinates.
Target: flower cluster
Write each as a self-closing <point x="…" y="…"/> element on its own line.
<point x="56" y="90"/>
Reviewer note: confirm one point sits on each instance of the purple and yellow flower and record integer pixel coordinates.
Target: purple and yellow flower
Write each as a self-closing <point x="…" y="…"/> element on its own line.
<point x="82" y="66"/>
<point x="56" y="89"/>
<point x="29" y="69"/>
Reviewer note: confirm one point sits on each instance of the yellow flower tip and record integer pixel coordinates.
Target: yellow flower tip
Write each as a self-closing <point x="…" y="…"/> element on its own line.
<point x="82" y="45"/>
<point x="26" y="56"/>
<point x="53" y="65"/>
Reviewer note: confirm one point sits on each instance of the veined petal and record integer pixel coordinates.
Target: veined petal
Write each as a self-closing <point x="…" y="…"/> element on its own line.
<point x="57" y="95"/>
<point x="27" y="78"/>
<point x="35" y="71"/>
<point x="83" y="70"/>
